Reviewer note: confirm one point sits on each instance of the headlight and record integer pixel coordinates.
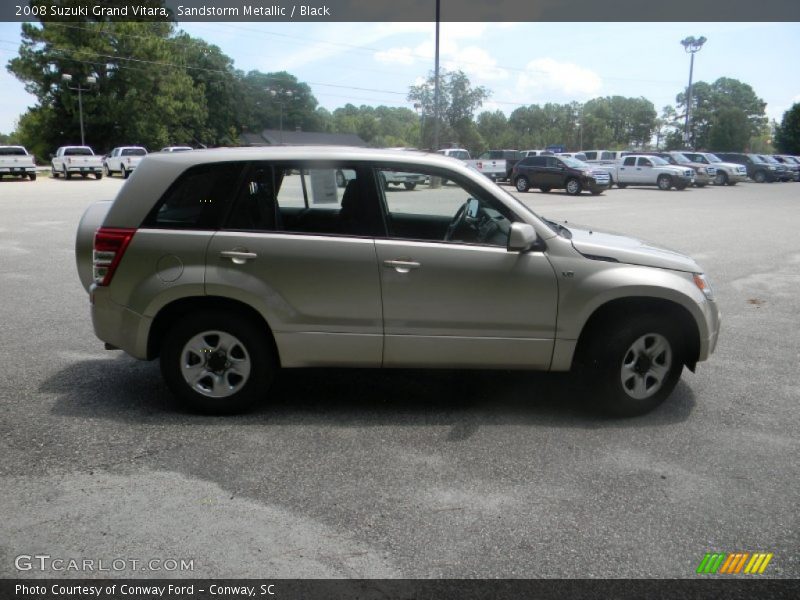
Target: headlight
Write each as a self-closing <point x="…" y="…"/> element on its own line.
<point x="704" y="285"/>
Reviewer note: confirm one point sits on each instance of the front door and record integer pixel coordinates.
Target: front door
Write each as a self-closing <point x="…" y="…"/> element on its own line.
<point x="452" y="293"/>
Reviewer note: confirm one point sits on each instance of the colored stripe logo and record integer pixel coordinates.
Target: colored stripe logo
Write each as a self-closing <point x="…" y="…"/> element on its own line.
<point x="734" y="563"/>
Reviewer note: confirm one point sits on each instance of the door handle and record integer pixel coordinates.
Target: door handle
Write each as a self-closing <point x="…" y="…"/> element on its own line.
<point x="238" y="257"/>
<point x="401" y="265"/>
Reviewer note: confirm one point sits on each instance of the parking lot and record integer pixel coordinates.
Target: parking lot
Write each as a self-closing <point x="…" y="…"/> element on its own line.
<point x="412" y="474"/>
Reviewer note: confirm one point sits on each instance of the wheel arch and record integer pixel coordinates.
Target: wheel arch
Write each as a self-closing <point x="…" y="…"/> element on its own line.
<point x="177" y="308"/>
<point x="619" y="308"/>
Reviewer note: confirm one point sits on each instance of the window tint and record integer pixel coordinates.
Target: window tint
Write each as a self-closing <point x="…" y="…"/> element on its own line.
<point x="608" y="156"/>
<point x="552" y="162"/>
<point x="629" y="161"/>
<point x="645" y="162"/>
<point x="134" y="152"/>
<point x="198" y="199"/>
<point x="302" y="198"/>
<point x="590" y="155"/>
<point x="11" y="151"/>
<point x="77" y="152"/>
<point x="454" y="212"/>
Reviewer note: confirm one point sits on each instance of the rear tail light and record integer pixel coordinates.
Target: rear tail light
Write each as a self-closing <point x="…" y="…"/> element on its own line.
<point x="109" y="246"/>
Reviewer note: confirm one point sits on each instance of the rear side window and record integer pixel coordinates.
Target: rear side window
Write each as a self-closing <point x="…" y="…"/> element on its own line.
<point x="199" y="198"/>
<point x="630" y="161"/>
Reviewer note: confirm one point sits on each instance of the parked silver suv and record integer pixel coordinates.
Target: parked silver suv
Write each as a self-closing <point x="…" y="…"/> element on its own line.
<point x="228" y="264"/>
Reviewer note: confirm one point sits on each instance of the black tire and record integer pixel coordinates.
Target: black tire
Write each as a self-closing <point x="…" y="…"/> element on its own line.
<point x="84" y="175"/>
<point x="681" y="185"/>
<point x="545" y="189"/>
<point x="67" y="174"/>
<point x="410" y="186"/>
<point x="664" y="182"/>
<point x="106" y="170"/>
<point x="698" y="185"/>
<point x="252" y="344"/>
<point x="611" y="365"/>
<point x="522" y="184"/>
<point x="32" y="176"/>
<point x="721" y="178"/>
<point x="732" y="183"/>
<point x="573" y="187"/>
<point x="622" y="186"/>
<point x="759" y="177"/>
<point x="596" y="192"/>
<point x="125" y="173"/>
<point x="55" y="174"/>
<point x="98" y="175"/>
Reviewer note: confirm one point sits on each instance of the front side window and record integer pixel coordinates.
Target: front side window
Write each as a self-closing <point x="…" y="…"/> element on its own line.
<point x="645" y="162"/>
<point x="199" y="198"/>
<point x="456" y="212"/>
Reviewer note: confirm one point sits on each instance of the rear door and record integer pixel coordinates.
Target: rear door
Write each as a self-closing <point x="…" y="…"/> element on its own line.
<point x="301" y="250"/>
<point x="453" y="295"/>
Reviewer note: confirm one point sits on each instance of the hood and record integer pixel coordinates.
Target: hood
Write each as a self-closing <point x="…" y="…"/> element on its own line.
<point x="628" y="250"/>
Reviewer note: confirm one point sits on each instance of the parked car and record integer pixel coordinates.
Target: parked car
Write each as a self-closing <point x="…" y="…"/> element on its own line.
<point x="558" y="172"/>
<point x="788" y="173"/>
<point x="16" y="162"/>
<point x="576" y="155"/>
<point x="605" y="155"/>
<point x="226" y="267"/>
<point x="497" y="164"/>
<point x="758" y="169"/>
<point x="76" y="160"/>
<point x="123" y="160"/>
<point x="728" y="173"/>
<point x="792" y="163"/>
<point x="459" y="153"/>
<point x="177" y="149"/>
<point x="638" y="169"/>
<point x="703" y="173"/>
<point x="526" y="153"/>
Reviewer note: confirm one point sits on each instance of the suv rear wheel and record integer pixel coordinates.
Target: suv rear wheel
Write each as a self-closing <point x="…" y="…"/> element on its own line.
<point x="759" y="177"/>
<point x="633" y="365"/>
<point x="217" y="362"/>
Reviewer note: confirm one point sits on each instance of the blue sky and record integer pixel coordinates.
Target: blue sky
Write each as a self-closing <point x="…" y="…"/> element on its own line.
<point x="521" y="63"/>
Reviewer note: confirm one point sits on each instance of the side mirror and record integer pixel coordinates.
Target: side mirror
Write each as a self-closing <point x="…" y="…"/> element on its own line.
<point x="521" y="237"/>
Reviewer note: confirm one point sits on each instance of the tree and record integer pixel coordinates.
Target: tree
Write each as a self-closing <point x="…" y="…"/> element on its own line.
<point x="458" y="101"/>
<point x="730" y="130"/>
<point x="275" y="100"/>
<point x="138" y="72"/>
<point x="616" y="121"/>
<point x="710" y="99"/>
<point x="787" y="134"/>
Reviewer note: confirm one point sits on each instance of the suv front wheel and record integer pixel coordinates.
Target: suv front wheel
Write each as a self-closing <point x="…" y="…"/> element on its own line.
<point x="633" y="366"/>
<point x="216" y="362"/>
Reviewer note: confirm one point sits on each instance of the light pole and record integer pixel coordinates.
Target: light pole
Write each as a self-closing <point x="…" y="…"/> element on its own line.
<point x="90" y="80"/>
<point x="421" y="112"/>
<point x="692" y="45"/>
<point x="280" y="95"/>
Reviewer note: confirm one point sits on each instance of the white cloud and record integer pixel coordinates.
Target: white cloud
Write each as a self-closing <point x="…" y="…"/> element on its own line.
<point x="403" y="56"/>
<point x="547" y="75"/>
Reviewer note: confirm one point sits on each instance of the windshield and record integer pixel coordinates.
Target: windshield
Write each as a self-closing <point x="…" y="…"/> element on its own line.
<point x="12" y="151"/>
<point x="713" y="158"/>
<point x="134" y="152"/>
<point x="768" y="159"/>
<point x="573" y="162"/>
<point x="681" y="157"/>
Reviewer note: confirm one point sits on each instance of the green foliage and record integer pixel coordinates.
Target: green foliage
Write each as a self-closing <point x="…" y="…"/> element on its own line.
<point x="787" y="134"/>
<point x="730" y="130"/>
<point x="382" y="126"/>
<point x="710" y="100"/>
<point x="458" y="101"/>
<point x="618" y="122"/>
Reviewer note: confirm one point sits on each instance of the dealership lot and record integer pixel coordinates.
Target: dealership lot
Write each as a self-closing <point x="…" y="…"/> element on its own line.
<point x="406" y="473"/>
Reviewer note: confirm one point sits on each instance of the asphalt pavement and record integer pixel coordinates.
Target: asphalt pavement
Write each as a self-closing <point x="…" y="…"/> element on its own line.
<point x="419" y="474"/>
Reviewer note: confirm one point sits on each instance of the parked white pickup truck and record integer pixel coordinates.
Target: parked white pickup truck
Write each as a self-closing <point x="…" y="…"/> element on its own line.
<point x="76" y="160"/>
<point x="16" y="162"/>
<point x="636" y="169"/>
<point x="123" y="160"/>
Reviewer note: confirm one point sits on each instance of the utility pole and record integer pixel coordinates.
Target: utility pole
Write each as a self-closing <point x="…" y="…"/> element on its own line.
<point x="691" y="46"/>
<point x="66" y="77"/>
